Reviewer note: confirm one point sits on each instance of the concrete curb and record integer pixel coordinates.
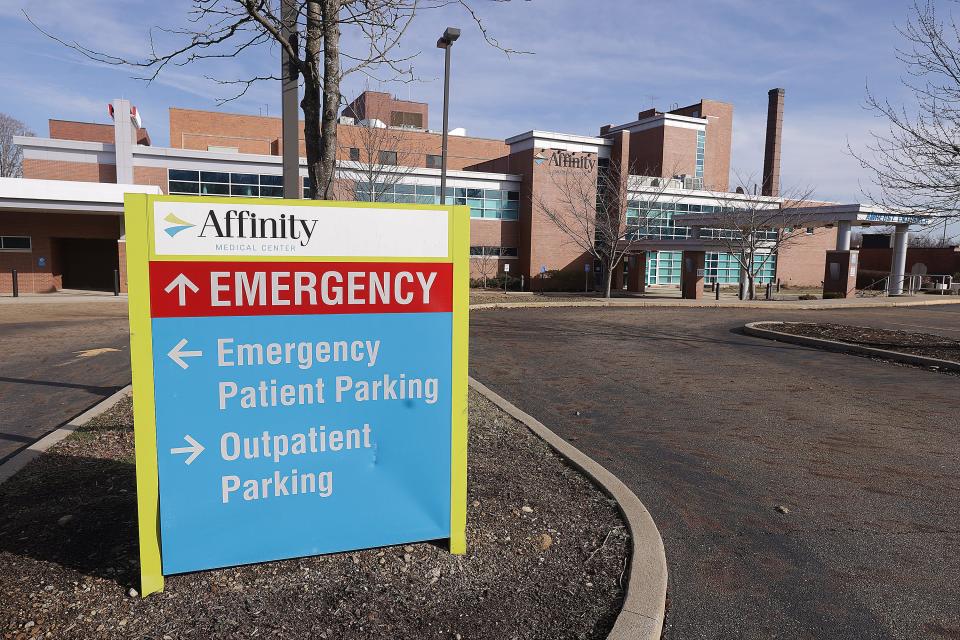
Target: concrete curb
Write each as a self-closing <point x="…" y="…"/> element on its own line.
<point x="755" y="329"/>
<point x="790" y="305"/>
<point x="641" y="617"/>
<point x="22" y="459"/>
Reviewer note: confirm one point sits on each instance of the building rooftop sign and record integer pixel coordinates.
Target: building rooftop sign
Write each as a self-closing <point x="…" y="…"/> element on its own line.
<point x="300" y="378"/>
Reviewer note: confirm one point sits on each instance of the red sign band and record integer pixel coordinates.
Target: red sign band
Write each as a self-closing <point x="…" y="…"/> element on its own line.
<point x="192" y="289"/>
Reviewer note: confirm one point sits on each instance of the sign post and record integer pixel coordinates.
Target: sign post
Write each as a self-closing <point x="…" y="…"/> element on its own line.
<point x="299" y="375"/>
<point x="506" y="276"/>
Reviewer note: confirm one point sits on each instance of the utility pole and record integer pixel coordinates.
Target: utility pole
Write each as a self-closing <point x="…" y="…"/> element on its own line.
<point x="289" y="97"/>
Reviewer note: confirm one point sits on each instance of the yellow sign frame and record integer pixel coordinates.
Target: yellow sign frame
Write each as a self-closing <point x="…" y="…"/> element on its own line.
<point x="138" y="218"/>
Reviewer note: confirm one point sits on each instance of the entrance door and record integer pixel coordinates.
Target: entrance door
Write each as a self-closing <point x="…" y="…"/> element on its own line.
<point x="87" y="263"/>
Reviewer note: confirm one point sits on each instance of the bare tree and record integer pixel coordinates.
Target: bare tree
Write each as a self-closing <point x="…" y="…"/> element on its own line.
<point x="916" y="162"/>
<point x="380" y="158"/>
<point x="930" y="241"/>
<point x="486" y="263"/>
<point x="11" y="155"/>
<point x="591" y="211"/>
<point x="218" y="29"/>
<point x="754" y="230"/>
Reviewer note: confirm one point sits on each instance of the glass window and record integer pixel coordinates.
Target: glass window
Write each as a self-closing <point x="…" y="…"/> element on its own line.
<point x="184" y="187"/>
<point x="244" y="178"/>
<point x="213" y="189"/>
<point x="388" y="157"/>
<point x="211" y="176"/>
<point x="178" y="174"/>
<point x="426" y="190"/>
<point x="405" y="188"/>
<point x="15" y="243"/>
<point x="474" y="193"/>
<point x="273" y="181"/>
<point x="245" y="190"/>
<point x="354" y="153"/>
<point x="271" y="192"/>
<point x="434" y="162"/>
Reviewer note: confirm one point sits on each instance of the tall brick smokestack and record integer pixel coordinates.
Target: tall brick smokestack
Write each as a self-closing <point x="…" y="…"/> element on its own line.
<point x="771" y="150"/>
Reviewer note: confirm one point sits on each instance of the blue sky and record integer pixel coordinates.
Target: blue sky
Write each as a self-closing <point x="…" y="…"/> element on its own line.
<point x="593" y="62"/>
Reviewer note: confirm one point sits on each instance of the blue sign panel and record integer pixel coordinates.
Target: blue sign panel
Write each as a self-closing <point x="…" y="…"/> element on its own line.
<point x="285" y="436"/>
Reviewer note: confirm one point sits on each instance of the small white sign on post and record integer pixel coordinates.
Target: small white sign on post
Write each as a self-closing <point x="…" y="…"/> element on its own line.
<point x="506" y="268"/>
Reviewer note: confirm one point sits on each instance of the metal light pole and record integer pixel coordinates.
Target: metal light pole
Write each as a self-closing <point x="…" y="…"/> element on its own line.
<point x="288" y="101"/>
<point x="445" y="42"/>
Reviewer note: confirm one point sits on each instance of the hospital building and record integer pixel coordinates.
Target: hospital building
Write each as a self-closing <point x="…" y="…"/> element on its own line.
<point x="61" y="225"/>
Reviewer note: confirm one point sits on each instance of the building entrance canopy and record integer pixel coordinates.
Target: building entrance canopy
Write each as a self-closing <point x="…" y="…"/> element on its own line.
<point x="826" y="215"/>
<point x="844" y="216"/>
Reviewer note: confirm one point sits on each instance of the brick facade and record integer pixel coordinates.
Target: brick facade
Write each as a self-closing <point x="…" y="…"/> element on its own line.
<point x="193" y="129"/>
<point x="46" y="230"/>
<point x="385" y="108"/>
<point x="89" y="131"/>
<point x="800" y="263"/>
<point x="75" y="171"/>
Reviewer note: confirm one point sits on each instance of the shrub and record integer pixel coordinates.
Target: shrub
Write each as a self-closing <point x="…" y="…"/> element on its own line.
<point x="809" y="296"/>
<point x="831" y="295"/>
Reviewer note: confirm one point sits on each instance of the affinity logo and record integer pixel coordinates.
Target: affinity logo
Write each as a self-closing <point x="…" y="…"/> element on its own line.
<point x="539" y="159"/>
<point x="177" y="225"/>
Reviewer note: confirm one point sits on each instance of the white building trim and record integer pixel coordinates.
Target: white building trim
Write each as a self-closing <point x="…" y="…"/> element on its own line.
<point x="67" y="196"/>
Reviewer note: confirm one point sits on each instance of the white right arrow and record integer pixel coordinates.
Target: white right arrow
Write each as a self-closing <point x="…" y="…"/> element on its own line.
<point x="194" y="449"/>
<point x="182" y="283"/>
<point x="177" y="354"/>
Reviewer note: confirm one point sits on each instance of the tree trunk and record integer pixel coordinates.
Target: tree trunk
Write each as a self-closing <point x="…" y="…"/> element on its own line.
<point x="311" y="98"/>
<point x="609" y="282"/>
<point x="331" y="96"/>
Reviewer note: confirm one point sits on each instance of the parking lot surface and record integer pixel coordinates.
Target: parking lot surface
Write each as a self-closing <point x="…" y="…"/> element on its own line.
<point x="58" y="360"/>
<point x="799" y="493"/>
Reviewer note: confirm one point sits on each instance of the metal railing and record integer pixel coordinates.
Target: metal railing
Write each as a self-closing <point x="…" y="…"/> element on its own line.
<point x="913" y="283"/>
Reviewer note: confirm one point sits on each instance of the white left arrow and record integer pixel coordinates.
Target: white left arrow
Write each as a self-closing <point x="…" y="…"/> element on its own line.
<point x="194" y="449"/>
<point x="181" y="283"/>
<point x="177" y="354"/>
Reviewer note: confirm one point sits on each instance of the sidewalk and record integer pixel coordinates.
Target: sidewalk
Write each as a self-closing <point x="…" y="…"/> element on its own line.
<point x="64" y="295"/>
<point x="516" y="300"/>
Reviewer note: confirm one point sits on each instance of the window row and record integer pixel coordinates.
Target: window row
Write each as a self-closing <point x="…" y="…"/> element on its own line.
<point x="483" y="203"/>
<point x="701" y="148"/>
<point x="500" y="252"/>
<point x="664" y="267"/>
<point x="390" y="158"/>
<point x="222" y="183"/>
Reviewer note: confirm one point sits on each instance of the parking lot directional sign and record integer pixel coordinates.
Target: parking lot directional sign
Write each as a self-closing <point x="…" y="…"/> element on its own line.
<point x="299" y="373"/>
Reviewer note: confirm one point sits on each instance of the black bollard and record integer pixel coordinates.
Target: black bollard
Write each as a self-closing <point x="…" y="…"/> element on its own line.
<point x="15" y="283"/>
<point x="116" y="282"/>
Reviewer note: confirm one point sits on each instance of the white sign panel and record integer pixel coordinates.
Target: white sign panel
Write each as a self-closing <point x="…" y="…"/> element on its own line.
<point x="201" y="229"/>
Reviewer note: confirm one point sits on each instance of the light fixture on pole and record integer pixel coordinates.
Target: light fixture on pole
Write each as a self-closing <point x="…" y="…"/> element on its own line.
<point x="445" y="42"/>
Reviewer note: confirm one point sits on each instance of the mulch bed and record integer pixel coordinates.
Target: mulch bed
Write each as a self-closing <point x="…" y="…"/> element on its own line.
<point x="546" y="557"/>
<point x="918" y="344"/>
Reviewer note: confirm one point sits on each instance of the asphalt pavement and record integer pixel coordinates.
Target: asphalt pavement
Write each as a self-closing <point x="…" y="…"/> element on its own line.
<point x="58" y="359"/>
<point x="799" y="493"/>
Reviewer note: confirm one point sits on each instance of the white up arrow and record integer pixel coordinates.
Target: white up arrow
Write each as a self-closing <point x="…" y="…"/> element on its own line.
<point x="181" y="283"/>
<point x="177" y="354"/>
<point x="194" y="449"/>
